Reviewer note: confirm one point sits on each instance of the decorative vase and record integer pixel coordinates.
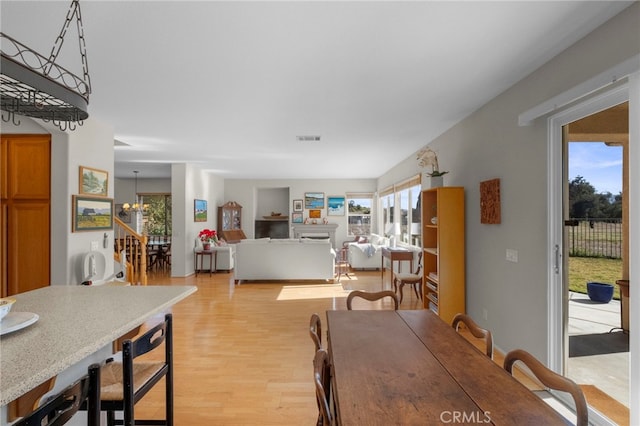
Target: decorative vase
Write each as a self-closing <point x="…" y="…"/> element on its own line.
<point x="206" y="246"/>
<point x="436" y="181"/>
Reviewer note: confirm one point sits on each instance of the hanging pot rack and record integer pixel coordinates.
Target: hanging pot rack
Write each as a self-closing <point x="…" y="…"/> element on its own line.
<point x="35" y="86"/>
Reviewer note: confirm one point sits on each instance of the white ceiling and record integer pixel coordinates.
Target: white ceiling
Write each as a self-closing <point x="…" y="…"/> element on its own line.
<point x="229" y="85"/>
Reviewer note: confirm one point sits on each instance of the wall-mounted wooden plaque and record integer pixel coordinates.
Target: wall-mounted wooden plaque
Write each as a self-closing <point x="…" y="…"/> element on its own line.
<point x="490" y="201"/>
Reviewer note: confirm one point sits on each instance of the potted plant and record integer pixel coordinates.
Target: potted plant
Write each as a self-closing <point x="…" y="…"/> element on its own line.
<point x="428" y="157"/>
<point x="208" y="236"/>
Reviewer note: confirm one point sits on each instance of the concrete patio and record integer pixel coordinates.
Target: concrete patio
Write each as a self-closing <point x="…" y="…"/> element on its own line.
<point x="598" y="349"/>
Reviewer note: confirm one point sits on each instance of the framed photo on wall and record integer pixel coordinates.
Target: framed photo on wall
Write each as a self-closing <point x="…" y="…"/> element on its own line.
<point x="335" y="205"/>
<point x="314" y="200"/>
<point x="94" y="181"/>
<point x="199" y="210"/>
<point x="91" y="213"/>
<point x="297" y="205"/>
<point x="124" y="215"/>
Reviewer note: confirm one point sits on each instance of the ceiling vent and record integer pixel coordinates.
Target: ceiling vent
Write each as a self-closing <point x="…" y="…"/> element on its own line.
<point x="308" y="138"/>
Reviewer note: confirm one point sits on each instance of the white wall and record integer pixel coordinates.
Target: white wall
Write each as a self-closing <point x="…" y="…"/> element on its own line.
<point x="189" y="182"/>
<point x="490" y="144"/>
<point x="244" y="192"/>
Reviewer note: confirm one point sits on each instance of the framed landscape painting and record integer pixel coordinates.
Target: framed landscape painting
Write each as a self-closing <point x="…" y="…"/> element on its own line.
<point x="91" y="213"/>
<point x="335" y="205"/>
<point x="296" y="217"/>
<point x="94" y="181"/>
<point x="199" y="210"/>
<point x="314" y="200"/>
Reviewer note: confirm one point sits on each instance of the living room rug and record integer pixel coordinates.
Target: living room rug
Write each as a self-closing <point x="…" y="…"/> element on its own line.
<point x="605" y="404"/>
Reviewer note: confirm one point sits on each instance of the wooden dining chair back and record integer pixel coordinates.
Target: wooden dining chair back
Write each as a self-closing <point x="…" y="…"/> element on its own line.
<point x="59" y="409"/>
<point x="551" y="380"/>
<point x="372" y="297"/>
<point x="315" y="331"/>
<point x="322" y="380"/>
<point x="414" y="279"/>
<point x="475" y="330"/>
<point x="124" y="383"/>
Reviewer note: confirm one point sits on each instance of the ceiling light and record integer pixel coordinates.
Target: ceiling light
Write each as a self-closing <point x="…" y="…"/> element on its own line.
<point x="136" y="206"/>
<point x="35" y="86"/>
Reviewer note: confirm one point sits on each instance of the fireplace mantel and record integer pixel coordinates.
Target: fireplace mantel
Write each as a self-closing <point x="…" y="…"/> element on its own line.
<point x="329" y="229"/>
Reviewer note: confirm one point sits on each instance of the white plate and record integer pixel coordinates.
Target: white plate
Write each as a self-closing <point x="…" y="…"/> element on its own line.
<point x="16" y="321"/>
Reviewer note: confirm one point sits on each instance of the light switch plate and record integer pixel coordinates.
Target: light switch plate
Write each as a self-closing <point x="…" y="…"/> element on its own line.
<point x="512" y="255"/>
<point x="95" y="245"/>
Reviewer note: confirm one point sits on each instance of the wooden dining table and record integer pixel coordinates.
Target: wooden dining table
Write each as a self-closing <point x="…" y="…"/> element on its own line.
<point x="409" y="367"/>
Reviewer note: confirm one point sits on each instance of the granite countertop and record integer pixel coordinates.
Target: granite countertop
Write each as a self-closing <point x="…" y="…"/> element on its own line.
<point x="74" y="322"/>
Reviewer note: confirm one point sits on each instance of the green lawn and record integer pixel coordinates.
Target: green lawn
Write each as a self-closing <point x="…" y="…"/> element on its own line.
<point x="585" y="269"/>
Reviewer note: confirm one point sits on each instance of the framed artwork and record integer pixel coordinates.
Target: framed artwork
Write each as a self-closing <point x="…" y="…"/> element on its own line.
<point x="91" y="213"/>
<point x="199" y="210"/>
<point x="123" y="215"/>
<point x="297" y="205"/>
<point x="335" y="205"/>
<point x="314" y="214"/>
<point x="314" y="200"/>
<point x="94" y="181"/>
<point x="296" y="217"/>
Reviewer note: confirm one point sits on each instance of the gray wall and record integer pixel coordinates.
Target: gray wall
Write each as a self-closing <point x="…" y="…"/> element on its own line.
<point x="490" y="144"/>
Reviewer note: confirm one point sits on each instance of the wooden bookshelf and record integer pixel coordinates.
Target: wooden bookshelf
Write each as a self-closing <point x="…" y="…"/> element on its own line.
<point x="443" y="251"/>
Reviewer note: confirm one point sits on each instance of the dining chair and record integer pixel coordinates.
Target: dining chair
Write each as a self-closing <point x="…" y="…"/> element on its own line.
<point x="322" y="380"/>
<point x="59" y="408"/>
<point x="372" y="297"/>
<point x="125" y="383"/>
<point x="475" y="330"/>
<point x="551" y="380"/>
<point x="400" y="279"/>
<point x="315" y="330"/>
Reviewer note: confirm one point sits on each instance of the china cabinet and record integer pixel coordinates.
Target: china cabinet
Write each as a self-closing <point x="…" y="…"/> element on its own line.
<point x="229" y="219"/>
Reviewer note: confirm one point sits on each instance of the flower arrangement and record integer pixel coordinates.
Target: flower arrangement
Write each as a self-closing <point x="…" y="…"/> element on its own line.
<point x="208" y="236"/>
<point x="427" y="157"/>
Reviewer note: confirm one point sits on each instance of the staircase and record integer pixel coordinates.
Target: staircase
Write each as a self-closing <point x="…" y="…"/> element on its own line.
<point x="130" y="251"/>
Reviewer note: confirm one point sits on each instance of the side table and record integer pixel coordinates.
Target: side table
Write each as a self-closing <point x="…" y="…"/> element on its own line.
<point x="200" y="254"/>
<point x="396" y="254"/>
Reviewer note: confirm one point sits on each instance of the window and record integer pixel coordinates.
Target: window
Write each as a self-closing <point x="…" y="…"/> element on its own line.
<point x="359" y="213"/>
<point x="157" y="218"/>
<point x="400" y="206"/>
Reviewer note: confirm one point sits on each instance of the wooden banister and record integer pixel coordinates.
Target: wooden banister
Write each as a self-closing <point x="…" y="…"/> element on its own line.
<point x="134" y="246"/>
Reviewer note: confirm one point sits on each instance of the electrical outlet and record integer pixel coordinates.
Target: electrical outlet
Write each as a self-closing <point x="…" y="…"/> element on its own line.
<point x="512" y="255"/>
<point x="95" y="245"/>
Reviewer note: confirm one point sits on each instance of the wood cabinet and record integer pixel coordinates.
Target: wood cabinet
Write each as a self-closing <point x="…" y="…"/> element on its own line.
<point x="443" y="251"/>
<point x="25" y="165"/>
<point x="230" y="221"/>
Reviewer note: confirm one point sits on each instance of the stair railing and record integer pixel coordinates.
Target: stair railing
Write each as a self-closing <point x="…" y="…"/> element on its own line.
<point x="130" y="251"/>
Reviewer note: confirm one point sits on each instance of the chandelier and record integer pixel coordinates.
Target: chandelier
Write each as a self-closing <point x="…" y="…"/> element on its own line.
<point x="35" y="86"/>
<point x="136" y="206"/>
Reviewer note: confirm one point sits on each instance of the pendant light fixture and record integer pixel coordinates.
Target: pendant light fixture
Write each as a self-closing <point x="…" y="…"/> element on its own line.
<point x="136" y="206"/>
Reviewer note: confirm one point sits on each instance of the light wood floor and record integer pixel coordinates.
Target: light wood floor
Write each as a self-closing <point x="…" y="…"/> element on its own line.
<point x="243" y="355"/>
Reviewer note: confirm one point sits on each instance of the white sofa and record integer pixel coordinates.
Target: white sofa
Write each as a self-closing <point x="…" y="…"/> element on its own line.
<point x="367" y="255"/>
<point x="284" y="259"/>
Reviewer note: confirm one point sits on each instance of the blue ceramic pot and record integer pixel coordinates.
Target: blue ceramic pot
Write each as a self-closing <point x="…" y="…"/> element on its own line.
<point x="600" y="292"/>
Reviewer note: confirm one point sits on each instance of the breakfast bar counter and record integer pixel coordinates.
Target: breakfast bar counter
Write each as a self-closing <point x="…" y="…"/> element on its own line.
<point x="73" y="323"/>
